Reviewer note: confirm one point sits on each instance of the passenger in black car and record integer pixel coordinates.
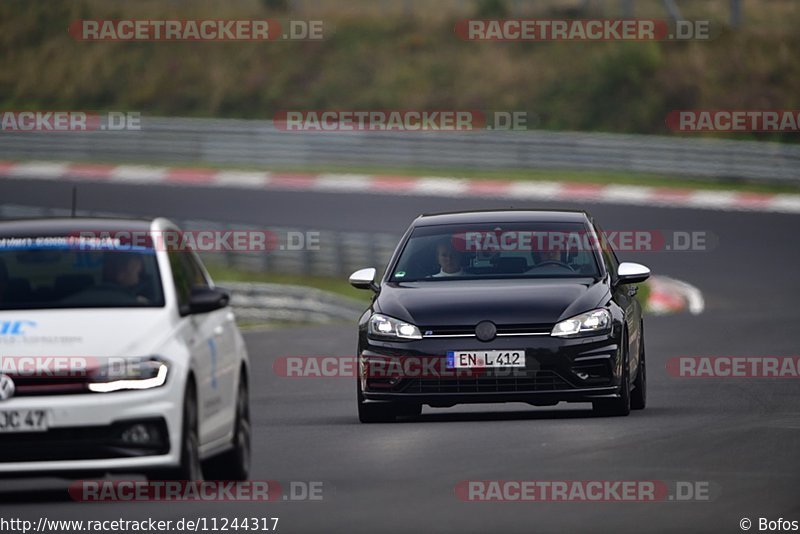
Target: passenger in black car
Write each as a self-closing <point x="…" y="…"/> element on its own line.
<point x="449" y="260"/>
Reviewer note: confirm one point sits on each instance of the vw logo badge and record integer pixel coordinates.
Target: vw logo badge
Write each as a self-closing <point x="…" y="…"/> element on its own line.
<point x="6" y="387"/>
<point x="485" y="331"/>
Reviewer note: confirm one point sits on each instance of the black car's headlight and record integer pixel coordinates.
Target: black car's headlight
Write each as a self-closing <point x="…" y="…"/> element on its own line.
<point x="129" y="373"/>
<point x="383" y="326"/>
<point x="585" y="324"/>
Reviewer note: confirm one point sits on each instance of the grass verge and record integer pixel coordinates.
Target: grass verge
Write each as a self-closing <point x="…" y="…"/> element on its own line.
<point x="330" y="284"/>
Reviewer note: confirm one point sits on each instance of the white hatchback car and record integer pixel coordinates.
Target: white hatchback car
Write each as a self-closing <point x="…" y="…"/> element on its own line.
<point x="117" y="355"/>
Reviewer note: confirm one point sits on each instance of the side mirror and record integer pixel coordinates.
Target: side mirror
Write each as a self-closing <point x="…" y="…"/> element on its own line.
<point x="632" y="273"/>
<point x="207" y="299"/>
<point x="364" y="279"/>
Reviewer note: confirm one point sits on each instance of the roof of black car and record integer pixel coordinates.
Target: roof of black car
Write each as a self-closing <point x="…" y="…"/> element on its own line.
<point x="501" y="216"/>
<point x="63" y="226"/>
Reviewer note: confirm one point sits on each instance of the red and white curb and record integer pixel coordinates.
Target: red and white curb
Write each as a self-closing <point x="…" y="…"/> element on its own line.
<point x="668" y="295"/>
<point x="407" y="185"/>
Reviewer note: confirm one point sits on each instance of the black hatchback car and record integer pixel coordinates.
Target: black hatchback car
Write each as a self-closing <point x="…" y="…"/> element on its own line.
<point x="501" y="306"/>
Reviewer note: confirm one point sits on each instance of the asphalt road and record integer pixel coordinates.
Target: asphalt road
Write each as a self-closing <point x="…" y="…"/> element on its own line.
<point x="740" y="435"/>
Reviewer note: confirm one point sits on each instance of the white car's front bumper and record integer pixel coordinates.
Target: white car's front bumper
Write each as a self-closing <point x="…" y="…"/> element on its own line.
<point x="93" y="412"/>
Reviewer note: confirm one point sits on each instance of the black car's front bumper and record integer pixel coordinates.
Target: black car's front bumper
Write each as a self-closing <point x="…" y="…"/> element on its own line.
<point x="557" y="369"/>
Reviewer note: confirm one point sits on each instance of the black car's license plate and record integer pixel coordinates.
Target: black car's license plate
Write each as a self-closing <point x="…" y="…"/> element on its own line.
<point x="472" y="359"/>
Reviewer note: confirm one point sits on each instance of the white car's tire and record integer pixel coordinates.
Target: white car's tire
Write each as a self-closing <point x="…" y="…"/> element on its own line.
<point x="235" y="463"/>
<point x="190" y="467"/>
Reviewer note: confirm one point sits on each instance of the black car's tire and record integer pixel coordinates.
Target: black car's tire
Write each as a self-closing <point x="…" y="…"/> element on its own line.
<point x="378" y="412"/>
<point x="235" y="463"/>
<point x="190" y="467"/>
<point x="639" y="393"/>
<point x="620" y="406"/>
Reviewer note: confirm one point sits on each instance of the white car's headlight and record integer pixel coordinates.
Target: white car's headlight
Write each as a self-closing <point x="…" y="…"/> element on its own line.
<point x="129" y="373"/>
<point x="591" y="322"/>
<point x="391" y="328"/>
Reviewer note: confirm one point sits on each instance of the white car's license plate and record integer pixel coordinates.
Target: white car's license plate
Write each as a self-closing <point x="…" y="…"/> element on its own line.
<point x="23" y="421"/>
<point x="471" y="359"/>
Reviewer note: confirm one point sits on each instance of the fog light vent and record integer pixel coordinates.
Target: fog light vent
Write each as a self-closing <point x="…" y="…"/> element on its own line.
<point x="140" y="434"/>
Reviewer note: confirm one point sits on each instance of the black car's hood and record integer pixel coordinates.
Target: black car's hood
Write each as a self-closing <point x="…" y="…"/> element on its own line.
<point x="466" y="303"/>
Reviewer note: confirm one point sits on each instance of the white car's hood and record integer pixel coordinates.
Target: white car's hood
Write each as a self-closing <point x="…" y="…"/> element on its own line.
<point x="93" y="333"/>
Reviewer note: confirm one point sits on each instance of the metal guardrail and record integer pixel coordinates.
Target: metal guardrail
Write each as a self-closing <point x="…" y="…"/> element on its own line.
<point x="280" y="302"/>
<point x="234" y="142"/>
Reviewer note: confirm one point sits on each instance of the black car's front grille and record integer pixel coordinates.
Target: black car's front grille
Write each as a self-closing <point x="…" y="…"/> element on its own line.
<point x="509" y="329"/>
<point x="544" y="380"/>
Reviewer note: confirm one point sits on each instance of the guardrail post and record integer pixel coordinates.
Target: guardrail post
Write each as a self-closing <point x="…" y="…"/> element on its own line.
<point x="338" y="256"/>
<point x="673" y="10"/>
<point x="307" y="259"/>
<point x="736" y="13"/>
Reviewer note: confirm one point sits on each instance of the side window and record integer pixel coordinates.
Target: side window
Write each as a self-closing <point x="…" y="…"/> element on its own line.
<point x="609" y="258"/>
<point x="195" y="270"/>
<point x="182" y="279"/>
<point x="186" y="274"/>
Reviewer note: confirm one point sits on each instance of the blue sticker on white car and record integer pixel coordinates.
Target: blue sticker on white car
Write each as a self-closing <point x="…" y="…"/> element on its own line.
<point x="212" y="345"/>
<point x="15" y="328"/>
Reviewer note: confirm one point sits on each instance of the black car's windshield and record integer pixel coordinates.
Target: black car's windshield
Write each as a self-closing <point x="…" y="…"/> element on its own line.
<point x="485" y="251"/>
<point x="60" y="272"/>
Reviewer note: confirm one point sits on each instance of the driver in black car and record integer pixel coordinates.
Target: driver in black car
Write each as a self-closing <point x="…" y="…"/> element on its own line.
<point x="553" y="254"/>
<point x="551" y="258"/>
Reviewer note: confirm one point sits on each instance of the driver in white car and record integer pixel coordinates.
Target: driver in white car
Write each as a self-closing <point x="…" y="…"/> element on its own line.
<point x="122" y="269"/>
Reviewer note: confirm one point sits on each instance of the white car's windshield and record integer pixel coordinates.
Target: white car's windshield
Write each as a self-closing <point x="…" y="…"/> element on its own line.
<point x="51" y="272"/>
<point x="481" y="251"/>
